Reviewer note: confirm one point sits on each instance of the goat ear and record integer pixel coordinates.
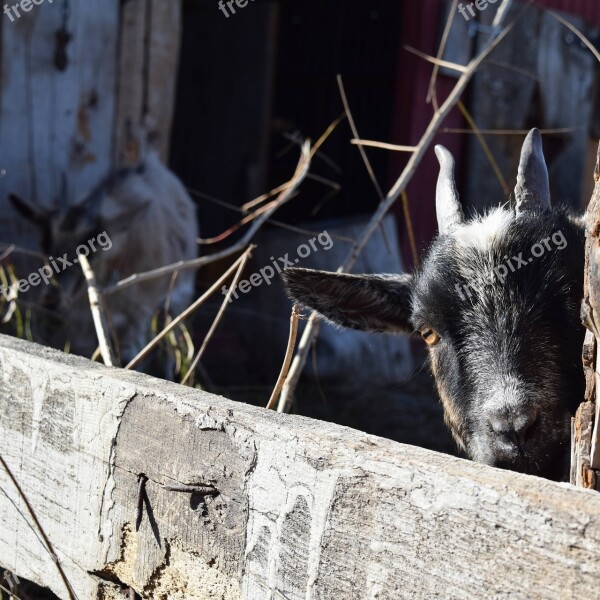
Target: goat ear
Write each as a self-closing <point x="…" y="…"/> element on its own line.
<point x="27" y="210"/>
<point x="375" y="303"/>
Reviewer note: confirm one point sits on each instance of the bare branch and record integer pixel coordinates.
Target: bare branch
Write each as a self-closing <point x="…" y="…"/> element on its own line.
<point x="279" y="224"/>
<point x="355" y="134"/>
<point x="47" y="543"/>
<point x="284" y="196"/>
<point x="383" y="145"/>
<point x="431" y="92"/>
<point x="189" y="310"/>
<point x="293" y="377"/>
<point x="215" y="323"/>
<point x="436" y="61"/>
<point x="577" y="32"/>
<point x="485" y="147"/>
<point x="409" y="228"/>
<point x="289" y="353"/>
<point x="100" y="323"/>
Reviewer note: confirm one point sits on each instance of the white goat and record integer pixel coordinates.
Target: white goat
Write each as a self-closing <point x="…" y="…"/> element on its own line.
<point x="150" y="221"/>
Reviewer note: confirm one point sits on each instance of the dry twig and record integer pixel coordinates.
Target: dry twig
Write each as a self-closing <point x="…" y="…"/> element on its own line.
<point x="436" y="61"/>
<point x="279" y="224"/>
<point x="383" y="145"/>
<point x="431" y="92"/>
<point x="409" y="228"/>
<point x="244" y="259"/>
<point x="485" y="147"/>
<point x="285" y="195"/>
<point x="49" y="547"/>
<point x="100" y="323"/>
<point x="577" y="32"/>
<point x="355" y="134"/>
<point x="189" y="310"/>
<point x="289" y="353"/>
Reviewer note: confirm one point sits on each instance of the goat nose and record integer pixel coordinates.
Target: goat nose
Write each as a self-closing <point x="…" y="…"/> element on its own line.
<point x="517" y="429"/>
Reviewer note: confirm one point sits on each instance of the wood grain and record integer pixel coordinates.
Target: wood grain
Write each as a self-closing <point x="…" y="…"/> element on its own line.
<point x="306" y="509"/>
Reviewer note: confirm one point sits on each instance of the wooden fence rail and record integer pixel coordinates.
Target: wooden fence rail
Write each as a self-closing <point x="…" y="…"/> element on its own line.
<point x="305" y="509"/>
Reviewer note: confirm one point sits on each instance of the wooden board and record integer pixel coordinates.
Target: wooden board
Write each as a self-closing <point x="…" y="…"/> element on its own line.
<point x="148" y="69"/>
<point x="540" y="76"/>
<point x="306" y="509"/>
<point x="120" y="74"/>
<point x="54" y="121"/>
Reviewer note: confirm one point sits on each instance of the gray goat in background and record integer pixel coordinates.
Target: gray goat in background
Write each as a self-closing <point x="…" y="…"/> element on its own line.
<point x="143" y="218"/>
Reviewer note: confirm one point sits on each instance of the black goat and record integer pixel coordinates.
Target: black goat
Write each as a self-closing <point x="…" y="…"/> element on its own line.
<point x="497" y="301"/>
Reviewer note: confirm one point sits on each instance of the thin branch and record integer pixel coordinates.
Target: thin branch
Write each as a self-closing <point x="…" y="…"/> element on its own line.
<point x="19" y="250"/>
<point x="100" y="323"/>
<point x="279" y="224"/>
<point x="49" y="547"/>
<point x="362" y="152"/>
<point x="437" y="61"/>
<point x="383" y="145"/>
<point x="328" y="182"/>
<point x="311" y="329"/>
<point x="246" y="207"/>
<point x="355" y="134"/>
<point x="287" y="361"/>
<point x="260" y="199"/>
<point x="11" y="594"/>
<point x="188" y="311"/>
<point x="7" y="252"/>
<point x="315" y="152"/>
<point x="286" y="399"/>
<point x="431" y="92"/>
<point x="245" y="257"/>
<point x="284" y="196"/>
<point x="513" y="68"/>
<point x="409" y="228"/>
<point x="247" y="219"/>
<point x="501" y="13"/>
<point x="484" y="145"/>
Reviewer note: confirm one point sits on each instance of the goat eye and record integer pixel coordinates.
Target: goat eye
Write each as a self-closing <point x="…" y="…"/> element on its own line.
<point x="430" y="336"/>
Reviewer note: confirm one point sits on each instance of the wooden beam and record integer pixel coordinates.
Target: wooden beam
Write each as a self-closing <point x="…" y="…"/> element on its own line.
<point x="305" y="509"/>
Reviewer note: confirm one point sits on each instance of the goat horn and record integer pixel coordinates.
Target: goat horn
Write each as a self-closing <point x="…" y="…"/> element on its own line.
<point x="447" y="203"/>
<point x="532" y="191"/>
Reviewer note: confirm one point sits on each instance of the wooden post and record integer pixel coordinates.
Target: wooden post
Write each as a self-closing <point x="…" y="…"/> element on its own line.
<point x="585" y="451"/>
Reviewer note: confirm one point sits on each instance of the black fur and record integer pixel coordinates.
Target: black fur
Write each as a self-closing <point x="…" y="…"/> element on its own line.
<point x="375" y="303"/>
<point x="511" y="346"/>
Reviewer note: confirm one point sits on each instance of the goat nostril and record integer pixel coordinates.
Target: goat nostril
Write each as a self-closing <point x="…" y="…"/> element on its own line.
<point x="519" y="431"/>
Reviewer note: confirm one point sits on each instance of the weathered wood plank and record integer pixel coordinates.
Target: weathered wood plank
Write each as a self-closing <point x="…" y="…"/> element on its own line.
<point x="149" y="57"/>
<point x="52" y="120"/>
<point x="516" y="89"/>
<point x="305" y="510"/>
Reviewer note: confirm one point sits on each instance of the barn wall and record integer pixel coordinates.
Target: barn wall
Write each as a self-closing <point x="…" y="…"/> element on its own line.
<point x="75" y="109"/>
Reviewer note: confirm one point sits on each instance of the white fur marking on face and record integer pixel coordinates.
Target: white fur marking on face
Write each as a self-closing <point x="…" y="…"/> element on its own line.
<point x="484" y="231"/>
